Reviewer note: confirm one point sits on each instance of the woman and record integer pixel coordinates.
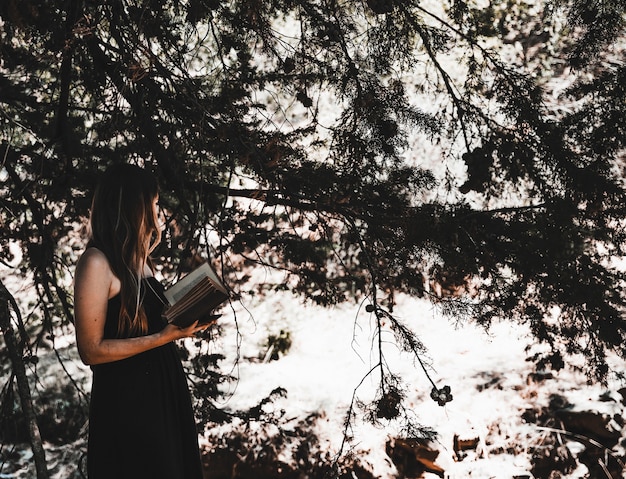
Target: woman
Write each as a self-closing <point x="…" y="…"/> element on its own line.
<point x="141" y="423"/>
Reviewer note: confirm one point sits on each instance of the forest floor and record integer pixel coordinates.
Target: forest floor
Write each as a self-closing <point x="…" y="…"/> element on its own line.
<point x="511" y="420"/>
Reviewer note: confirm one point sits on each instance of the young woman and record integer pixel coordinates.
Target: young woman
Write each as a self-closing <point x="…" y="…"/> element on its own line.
<point x="141" y="423"/>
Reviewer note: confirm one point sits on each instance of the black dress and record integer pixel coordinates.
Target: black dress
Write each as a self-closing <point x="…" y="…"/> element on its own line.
<point x="141" y="422"/>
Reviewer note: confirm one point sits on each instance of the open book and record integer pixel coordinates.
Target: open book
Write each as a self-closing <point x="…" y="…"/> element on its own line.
<point x="194" y="297"/>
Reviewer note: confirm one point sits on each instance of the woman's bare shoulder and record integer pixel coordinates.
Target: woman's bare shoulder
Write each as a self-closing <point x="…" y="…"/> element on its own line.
<point x="94" y="275"/>
<point x="94" y="261"/>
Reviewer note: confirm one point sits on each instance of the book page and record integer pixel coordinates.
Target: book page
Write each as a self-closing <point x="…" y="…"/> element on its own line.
<point x="194" y="294"/>
<point x="177" y="291"/>
<point x="196" y="304"/>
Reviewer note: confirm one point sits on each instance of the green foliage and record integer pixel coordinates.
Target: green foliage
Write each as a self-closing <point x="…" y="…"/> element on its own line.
<point x="324" y="140"/>
<point x="61" y="416"/>
<point x="277" y="345"/>
<point x="265" y="445"/>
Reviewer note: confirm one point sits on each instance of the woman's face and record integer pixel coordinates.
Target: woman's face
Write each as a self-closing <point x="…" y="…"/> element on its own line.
<point x="159" y="216"/>
<point x="157" y="219"/>
<point x="155" y="208"/>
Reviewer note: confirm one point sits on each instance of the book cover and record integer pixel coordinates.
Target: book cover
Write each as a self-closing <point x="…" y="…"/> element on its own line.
<point x="195" y="296"/>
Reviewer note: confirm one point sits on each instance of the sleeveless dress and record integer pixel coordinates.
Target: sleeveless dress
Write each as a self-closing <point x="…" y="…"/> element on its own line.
<point x="141" y="422"/>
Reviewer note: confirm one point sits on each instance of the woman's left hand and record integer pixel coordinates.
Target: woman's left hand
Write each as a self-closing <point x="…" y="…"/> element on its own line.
<point x="174" y="332"/>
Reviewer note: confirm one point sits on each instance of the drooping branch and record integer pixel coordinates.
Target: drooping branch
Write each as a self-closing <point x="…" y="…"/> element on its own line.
<point x="17" y="362"/>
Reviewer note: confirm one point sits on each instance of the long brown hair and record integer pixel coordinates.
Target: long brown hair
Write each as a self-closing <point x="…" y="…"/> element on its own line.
<point x="124" y="226"/>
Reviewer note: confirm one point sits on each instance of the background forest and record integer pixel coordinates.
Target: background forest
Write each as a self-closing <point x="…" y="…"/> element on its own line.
<point x="354" y="153"/>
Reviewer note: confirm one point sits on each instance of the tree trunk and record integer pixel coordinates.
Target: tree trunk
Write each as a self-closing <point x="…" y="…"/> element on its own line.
<point x="15" y="354"/>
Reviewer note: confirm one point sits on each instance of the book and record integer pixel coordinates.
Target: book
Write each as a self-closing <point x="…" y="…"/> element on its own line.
<point x="194" y="297"/>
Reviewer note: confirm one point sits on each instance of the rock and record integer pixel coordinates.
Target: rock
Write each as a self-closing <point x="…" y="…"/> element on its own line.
<point x="550" y="458"/>
<point x="413" y="457"/>
<point x="599" y="427"/>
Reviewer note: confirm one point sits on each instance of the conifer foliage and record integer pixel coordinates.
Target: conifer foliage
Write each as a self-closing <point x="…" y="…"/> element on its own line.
<point x="468" y="152"/>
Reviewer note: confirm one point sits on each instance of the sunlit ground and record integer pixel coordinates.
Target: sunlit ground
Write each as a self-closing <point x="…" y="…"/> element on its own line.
<point x="331" y="352"/>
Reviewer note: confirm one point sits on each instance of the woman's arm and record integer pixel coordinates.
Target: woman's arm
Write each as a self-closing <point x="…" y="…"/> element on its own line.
<point x="93" y="285"/>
